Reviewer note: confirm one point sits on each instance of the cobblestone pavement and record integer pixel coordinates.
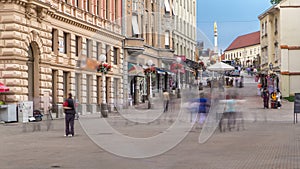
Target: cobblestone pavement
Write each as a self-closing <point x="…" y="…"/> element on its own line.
<point x="270" y="141"/>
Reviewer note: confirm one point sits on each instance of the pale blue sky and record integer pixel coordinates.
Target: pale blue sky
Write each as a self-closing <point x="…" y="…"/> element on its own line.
<point x="233" y="17"/>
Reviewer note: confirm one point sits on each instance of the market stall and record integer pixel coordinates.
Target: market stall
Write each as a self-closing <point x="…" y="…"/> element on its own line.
<point x="7" y="111"/>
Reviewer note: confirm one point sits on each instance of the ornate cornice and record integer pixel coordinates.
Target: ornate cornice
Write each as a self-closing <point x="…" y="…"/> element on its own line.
<point x="78" y="23"/>
<point x="42" y="9"/>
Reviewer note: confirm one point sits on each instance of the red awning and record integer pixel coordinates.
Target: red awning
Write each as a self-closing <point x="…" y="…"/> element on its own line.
<point x="3" y="88"/>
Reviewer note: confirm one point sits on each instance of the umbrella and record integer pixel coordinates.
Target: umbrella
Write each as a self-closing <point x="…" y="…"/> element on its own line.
<point x="135" y="70"/>
<point x="3" y="88"/>
<point x="220" y="66"/>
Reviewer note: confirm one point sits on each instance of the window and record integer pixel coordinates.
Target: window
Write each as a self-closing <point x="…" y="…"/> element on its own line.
<point x="97" y="11"/>
<point x="89" y="48"/>
<point x="167" y="39"/>
<point x="108" y="9"/>
<point x="276" y="50"/>
<point x="142" y="27"/>
<point x="66" y="83"/>
<point x="65" y="42"/>
<point x="98" y="50"/>
<point x="266" y="30"/>
<point x="78" y="45"/>
<point x="79" y="3"/>
<point x="262" y="29"/>
<point x="108" y="54"/>
<point x="116" y="55"/>
<point x="65" y="45"/>
<point x="134" y="5"/>
<point x="55" y="41"/>
<point x="276" y="26"/>
<point x="135" y="26"/>
<point x="167" y="7"/>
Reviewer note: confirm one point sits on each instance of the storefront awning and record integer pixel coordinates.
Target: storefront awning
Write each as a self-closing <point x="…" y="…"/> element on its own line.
<point x="3" y="88"/>
<point x="192" y="64"/>
<point x="135" y="70"/>
<point x="161" y="71"/>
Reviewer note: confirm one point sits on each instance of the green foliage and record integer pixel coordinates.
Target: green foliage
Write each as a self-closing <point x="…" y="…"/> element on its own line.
<point x="275" y="1"/>
<point x="290" y="98"/>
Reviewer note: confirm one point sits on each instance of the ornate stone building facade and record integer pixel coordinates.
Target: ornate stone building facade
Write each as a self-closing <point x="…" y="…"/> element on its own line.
<point x="148" y="29"/>
<point x="52" y="46"/>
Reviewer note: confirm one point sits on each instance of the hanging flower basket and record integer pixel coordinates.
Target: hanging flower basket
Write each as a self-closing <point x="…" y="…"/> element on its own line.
<point x="150" y="70"/>
<point x="104" y="68"/>
<point x="178" y="66"/>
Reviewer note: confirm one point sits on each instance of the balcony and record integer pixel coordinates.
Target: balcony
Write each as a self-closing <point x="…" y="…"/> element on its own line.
<point x="134" y="46"/>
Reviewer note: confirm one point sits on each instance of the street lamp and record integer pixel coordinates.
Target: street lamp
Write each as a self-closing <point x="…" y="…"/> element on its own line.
<point x="178" y="59"/>
<point x="104" y="109"/>
<point x="150" y="63"/>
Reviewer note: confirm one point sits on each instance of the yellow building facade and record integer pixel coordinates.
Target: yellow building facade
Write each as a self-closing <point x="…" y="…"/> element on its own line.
<point x="52" y="47"/>
<point x="280" y="44"/>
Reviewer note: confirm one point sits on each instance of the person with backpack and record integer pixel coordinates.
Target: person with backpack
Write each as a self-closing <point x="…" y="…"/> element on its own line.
<point x="70" y="112"/>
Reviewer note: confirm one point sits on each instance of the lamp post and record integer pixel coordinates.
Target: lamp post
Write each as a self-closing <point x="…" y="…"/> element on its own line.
<point x="150" y="63"/>
<point x="104" y="110"/>
<point x="178" y="59"/>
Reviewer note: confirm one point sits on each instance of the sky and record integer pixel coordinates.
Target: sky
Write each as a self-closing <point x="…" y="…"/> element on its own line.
<point x="233" y="17"/>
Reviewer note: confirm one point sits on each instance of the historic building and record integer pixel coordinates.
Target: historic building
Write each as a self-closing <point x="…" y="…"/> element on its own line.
<point x="54" y="46"/>
<point x="149" y="41"/>
<point x="245" y="50"/>
<point x="184" y="34"/>
<point x="280" y="45"/>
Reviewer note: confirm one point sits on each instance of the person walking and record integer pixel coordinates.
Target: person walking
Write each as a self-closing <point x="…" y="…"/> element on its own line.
<point x="166" y="97"/>
<point x="70" y="112"/>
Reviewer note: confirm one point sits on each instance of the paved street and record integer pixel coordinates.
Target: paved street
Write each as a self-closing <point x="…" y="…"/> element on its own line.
<point x="270" y="140"/>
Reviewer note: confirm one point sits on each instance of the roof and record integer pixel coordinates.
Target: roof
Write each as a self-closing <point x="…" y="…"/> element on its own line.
<point x="223" y="56"/>
<point x="245" y="41"/>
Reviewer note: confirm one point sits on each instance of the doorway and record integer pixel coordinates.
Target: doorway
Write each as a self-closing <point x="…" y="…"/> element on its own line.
<point x="33" y="75"/>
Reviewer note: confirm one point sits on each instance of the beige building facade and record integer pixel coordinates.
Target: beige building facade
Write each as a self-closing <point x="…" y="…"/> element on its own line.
<point x="185" y="27"/>
<point x="148" y="31"/>
<point x="53" y="46"/>
<point x="245" y="50"/>
<point x="184" y="33"/>
<point x="280" y="44"/>
<point x="246" y="56"/>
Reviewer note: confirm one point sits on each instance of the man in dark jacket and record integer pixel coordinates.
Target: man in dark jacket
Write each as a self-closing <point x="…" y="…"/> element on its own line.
<point x="69" y="115"/>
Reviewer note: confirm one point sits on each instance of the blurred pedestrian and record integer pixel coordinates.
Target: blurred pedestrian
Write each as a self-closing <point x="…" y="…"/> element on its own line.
<point x="166" y="97"/>
<point x="69" y="109"/>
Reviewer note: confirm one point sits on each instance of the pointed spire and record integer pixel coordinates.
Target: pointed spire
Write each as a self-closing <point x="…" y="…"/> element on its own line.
<point x="215" y="27"/>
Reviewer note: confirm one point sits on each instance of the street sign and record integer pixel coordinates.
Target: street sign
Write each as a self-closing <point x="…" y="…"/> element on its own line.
<point x="296" y="106"/>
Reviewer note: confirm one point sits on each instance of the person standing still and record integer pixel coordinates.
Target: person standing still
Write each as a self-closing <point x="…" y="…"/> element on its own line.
<point x="69" y="116"/>
<point x="265" y="96"/>
<point x="166" y="97"/>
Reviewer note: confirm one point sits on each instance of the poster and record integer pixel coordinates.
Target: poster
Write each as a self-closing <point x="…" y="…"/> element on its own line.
<point x="25" y="110"/>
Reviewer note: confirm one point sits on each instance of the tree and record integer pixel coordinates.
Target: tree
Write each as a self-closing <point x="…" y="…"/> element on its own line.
<point x="275" y="1"/>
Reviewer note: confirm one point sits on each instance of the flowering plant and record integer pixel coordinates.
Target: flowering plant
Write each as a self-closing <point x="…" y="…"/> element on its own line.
<point x="178" y="66"/>
<point x="104" y="68"/>
<point x="150" y="70"/>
